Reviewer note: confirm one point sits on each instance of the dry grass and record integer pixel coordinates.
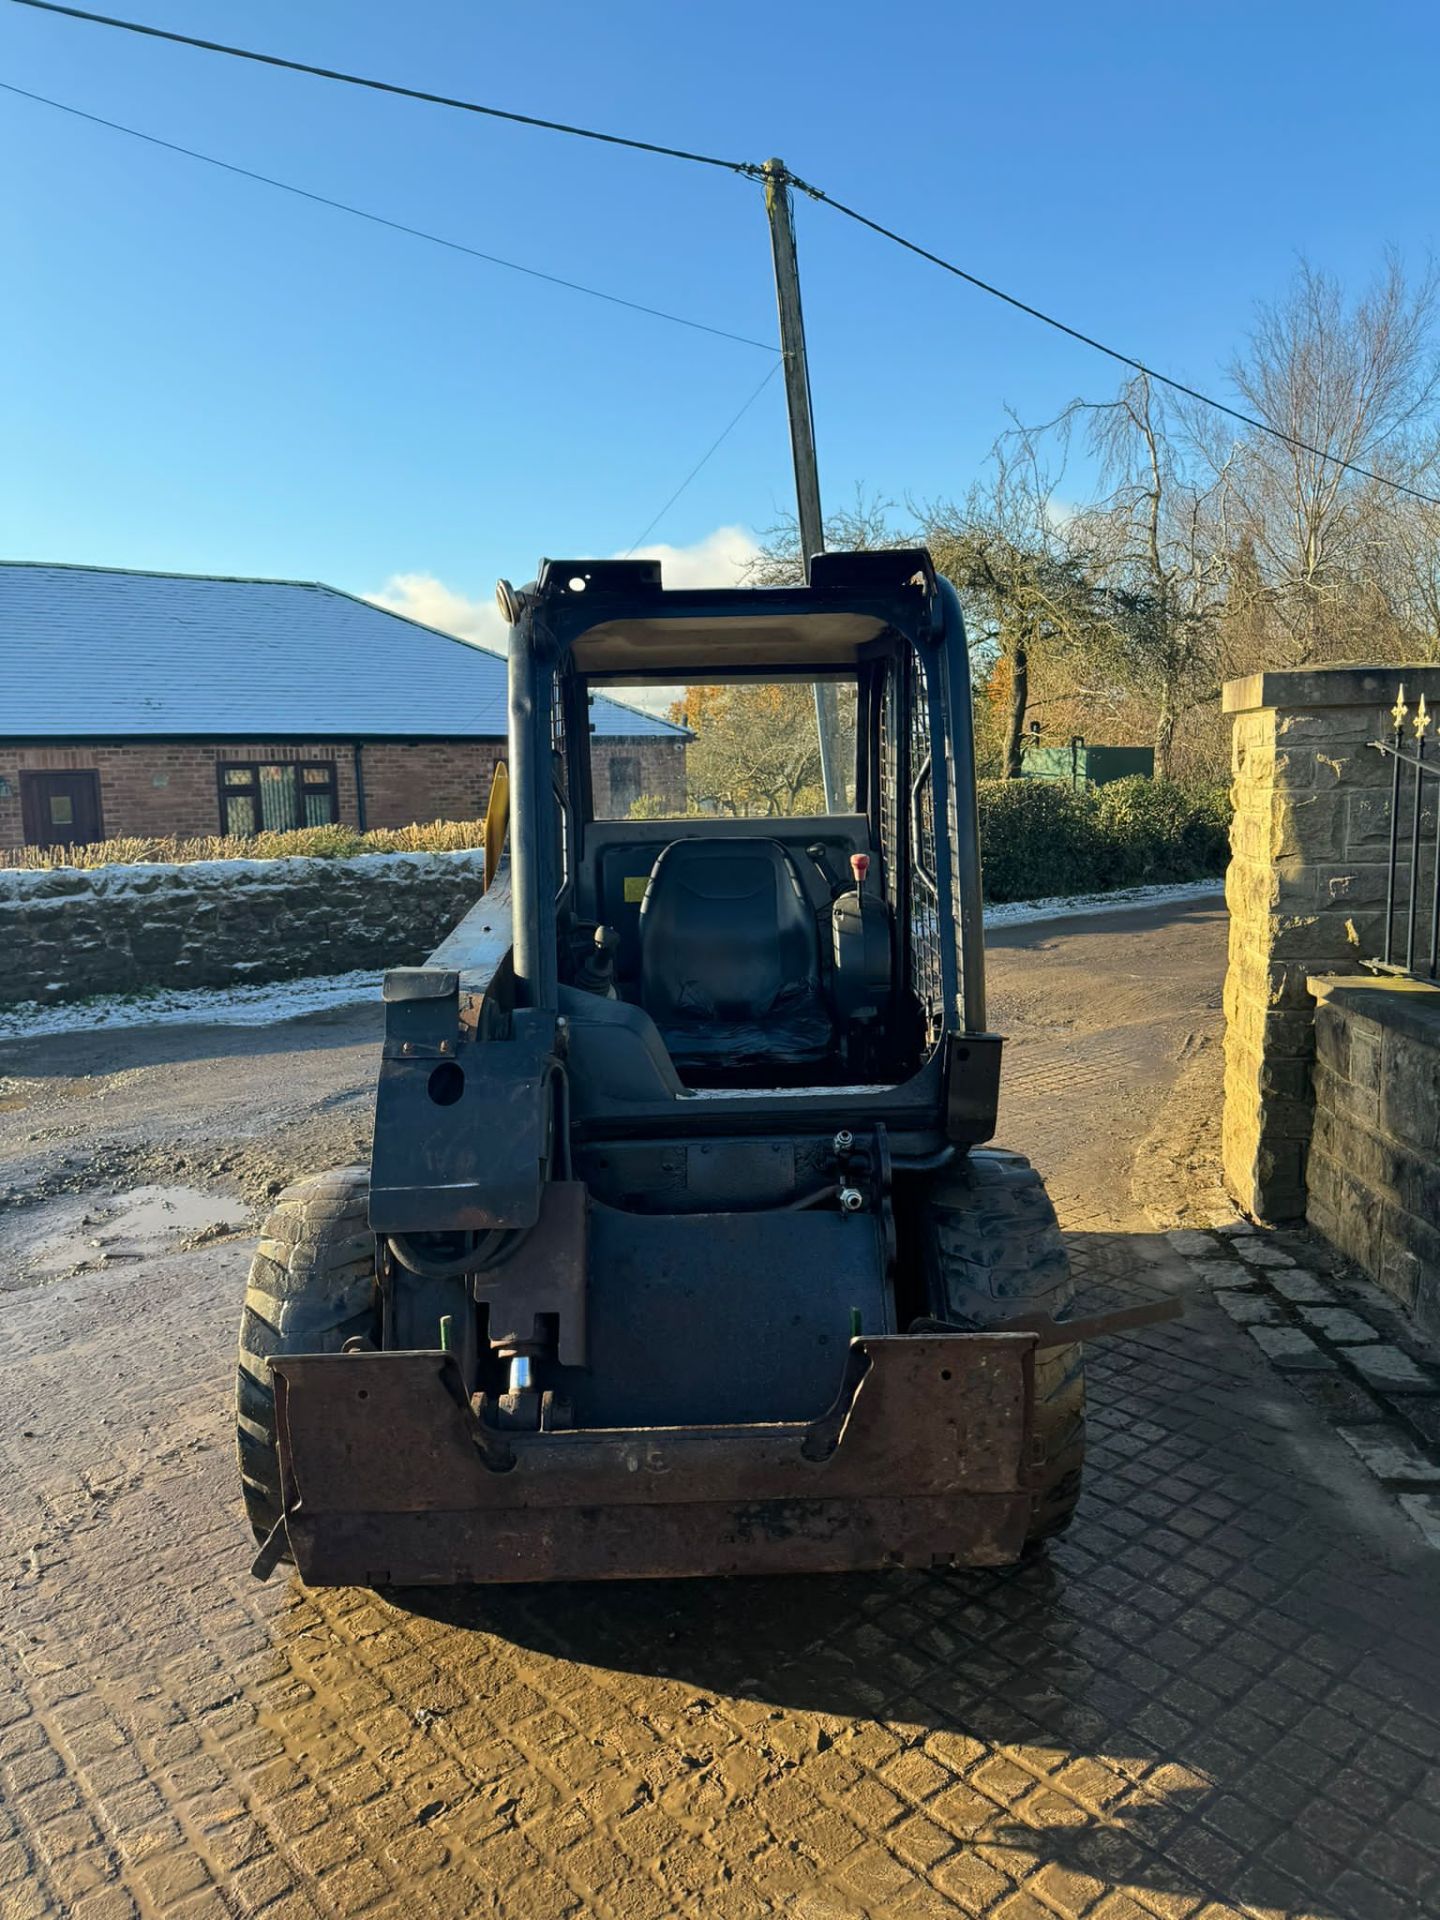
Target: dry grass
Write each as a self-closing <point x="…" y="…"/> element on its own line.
<point x="315" y="843"/>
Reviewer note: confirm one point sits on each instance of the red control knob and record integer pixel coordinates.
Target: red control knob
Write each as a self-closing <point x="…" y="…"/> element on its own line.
<point x="859" y="866"/>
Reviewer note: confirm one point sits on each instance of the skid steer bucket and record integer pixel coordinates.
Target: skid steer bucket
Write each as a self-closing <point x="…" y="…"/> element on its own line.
<point x="390" y="1478"/>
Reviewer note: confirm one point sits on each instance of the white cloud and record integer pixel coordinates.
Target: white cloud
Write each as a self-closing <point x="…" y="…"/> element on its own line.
<point x="718" y="560"/>
<point x="420" y="596"/>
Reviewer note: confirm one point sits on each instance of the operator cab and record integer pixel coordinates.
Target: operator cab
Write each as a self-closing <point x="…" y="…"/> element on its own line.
<point x="715" y="957"/>
<point x="724" y="904"/>
<point x="759" y="918"/>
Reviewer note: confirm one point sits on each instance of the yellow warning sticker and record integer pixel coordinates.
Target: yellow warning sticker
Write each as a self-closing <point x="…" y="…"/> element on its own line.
<point x="635" y="885"/>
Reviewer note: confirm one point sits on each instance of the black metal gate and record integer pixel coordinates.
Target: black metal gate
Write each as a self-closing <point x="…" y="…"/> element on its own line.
<point x="1413" y="873"/>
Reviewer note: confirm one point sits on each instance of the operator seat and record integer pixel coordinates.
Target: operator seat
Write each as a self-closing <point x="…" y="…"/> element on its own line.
<point x="729" y="960"/>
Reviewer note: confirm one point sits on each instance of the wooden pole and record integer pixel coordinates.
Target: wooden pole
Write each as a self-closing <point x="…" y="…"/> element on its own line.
<point x="802" y="440"/>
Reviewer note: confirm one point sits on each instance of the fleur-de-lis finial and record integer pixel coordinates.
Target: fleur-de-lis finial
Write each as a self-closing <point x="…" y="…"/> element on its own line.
<point x="1422" y="719"/>
<point x="1399" y="710"/>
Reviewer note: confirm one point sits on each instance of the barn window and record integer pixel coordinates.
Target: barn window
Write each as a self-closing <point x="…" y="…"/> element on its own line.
<point x="258" y="796"/>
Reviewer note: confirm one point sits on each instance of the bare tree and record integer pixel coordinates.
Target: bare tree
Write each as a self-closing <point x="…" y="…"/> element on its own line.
<point x="863" y="525"/>
<point x="1159" y="550"/>
<point x="1207" y="552"/>
<point x="1408" y="562"/>
<point x="1356" y="381"/>
<point x="1019" y="562"/>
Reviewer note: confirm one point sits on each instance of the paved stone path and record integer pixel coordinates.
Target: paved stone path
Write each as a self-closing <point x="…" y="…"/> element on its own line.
<point x="1219" y="1693"/>
<point x="1343" y="1343"/>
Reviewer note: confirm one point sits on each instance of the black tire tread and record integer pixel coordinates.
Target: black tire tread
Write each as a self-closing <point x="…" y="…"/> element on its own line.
<point x="996" y="1251"/>
<point x="311" y="1287"/>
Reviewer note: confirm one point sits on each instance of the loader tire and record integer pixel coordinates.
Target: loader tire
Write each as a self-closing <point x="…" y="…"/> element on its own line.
<point x="995" y="1251"/>
<point x="311" y="1288"/>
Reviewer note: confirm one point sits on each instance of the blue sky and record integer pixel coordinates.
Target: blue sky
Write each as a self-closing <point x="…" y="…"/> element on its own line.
<point x="201" y="373"/>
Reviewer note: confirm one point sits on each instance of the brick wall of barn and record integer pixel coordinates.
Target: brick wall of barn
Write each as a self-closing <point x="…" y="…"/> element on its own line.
<point x="156" y="789"/>
<point x="621" y="771"/>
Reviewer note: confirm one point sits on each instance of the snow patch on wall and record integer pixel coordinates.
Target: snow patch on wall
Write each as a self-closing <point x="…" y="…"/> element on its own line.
<point x="73" y="934"/>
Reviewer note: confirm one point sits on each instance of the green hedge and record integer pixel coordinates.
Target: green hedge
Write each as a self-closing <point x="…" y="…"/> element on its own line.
<point x="1040" y="838"/>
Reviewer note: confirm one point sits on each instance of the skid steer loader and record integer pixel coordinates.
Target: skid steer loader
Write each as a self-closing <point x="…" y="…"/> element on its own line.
<point x="678" y="1252"/>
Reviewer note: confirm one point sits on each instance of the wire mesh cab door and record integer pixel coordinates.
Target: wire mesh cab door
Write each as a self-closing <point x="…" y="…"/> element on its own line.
<point x="899" y="732"/>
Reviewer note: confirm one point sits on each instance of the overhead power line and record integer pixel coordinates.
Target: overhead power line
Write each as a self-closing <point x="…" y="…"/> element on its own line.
<point x="382" y="220"/>
<point x="1113" y="353"/>
<point x="704" y="459"/>
<point x="748" y="169"/>
<point x="455" y="246"/>
<point x="389" y="86"/>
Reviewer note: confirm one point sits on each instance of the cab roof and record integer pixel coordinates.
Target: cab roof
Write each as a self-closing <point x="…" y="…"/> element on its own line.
<point x="617" y="621"/>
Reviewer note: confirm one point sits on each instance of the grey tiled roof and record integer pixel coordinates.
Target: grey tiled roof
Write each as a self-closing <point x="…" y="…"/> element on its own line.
<point x="96" y="652"/>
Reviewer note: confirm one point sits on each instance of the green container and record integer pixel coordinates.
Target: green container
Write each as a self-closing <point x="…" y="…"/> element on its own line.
<point x="1080" y="765"/>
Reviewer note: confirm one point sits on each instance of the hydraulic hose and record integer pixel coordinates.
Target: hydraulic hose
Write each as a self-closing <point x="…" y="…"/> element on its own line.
<point x="429" y="1268"/>
<point x="492" y="1250"/>
<point x="815" y="1199"/>
<point x="922" y="1162"/>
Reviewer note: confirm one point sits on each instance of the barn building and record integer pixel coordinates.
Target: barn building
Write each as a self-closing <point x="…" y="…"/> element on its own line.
<point x="152" y="704"/>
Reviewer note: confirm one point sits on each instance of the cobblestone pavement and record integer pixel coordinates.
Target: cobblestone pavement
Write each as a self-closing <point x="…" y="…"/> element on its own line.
<point x="1218" y="1694"/>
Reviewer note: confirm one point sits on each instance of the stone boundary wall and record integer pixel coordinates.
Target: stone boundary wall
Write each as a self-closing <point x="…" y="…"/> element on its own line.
<point x="1374" y="1168"/>
<point x="70" y="933"/>
<point x="1306" y="893"/>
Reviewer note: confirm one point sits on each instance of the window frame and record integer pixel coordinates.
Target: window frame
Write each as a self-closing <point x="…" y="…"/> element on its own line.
<point x="250" y="790"/>
<point x="584" y="688"/>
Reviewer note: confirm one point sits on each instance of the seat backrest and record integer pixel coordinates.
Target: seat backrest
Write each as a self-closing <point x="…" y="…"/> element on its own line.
<point x="726" y="933"/>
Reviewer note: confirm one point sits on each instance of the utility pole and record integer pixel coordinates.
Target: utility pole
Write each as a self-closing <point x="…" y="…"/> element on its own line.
<point x="802" y="441"/>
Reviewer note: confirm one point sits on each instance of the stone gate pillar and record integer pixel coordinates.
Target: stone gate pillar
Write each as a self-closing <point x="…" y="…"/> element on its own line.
<point x="1306" y="893"/>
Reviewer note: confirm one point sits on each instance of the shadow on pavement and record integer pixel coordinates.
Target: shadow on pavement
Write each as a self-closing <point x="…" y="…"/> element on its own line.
<point x="997" y="1688"/>
<point x="1222" y="1684"/>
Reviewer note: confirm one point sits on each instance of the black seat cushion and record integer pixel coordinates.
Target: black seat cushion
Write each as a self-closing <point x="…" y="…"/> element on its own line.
<point x="729" y="959"/>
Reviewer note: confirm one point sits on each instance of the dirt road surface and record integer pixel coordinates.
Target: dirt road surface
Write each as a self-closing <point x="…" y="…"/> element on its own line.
<point x="1218" y="1694"/>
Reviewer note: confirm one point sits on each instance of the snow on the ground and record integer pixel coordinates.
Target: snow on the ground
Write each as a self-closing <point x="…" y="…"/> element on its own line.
<point x="144" y="876"/>
<point x="288" y="999"/>
<point x="1014" y="913"/>
<point x="258" y="1006"/>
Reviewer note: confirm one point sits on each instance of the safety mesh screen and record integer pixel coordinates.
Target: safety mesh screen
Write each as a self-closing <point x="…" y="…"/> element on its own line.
<point x="560" y="774"/>
<point x="904" y="754"/>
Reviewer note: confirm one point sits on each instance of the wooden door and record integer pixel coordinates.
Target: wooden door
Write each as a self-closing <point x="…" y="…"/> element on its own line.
<point x="61" y="809"/>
